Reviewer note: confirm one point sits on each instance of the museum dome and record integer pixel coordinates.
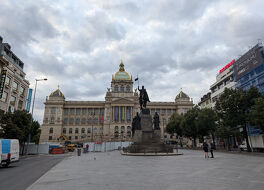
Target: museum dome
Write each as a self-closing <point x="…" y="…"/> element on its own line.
<point x="182" y="95"/>
<point x="57" y="93"/>
<point x="122" y="74"/>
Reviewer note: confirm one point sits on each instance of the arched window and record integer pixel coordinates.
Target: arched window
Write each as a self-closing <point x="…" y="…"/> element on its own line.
<point x="70" y="130"/>
<point x="95" y="130"/>
<point x="122" y="89"/>
<point x="127" y="88"/>
<point x="51" y="130"/>
<point x="76" y="130"/>
<point x="77" y="121"/>
<point x="90" y="120"/>
<point x="122" y="129"/>
<point x="83" y="130"/>
<point x="83" y="121"/>
<point x="89" y="130"/>
<point x="116" y="131"/>
<point x="71" y="120"/>
<point x="52" y="120"/>
<point x="128" y="130"/>
<point x="64" y="130"/>
<point x="116" y="88"/>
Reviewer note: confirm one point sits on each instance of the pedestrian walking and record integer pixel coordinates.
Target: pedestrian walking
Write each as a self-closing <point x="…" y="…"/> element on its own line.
<point x="87" y="148"/>
<point x="212" y="148"/>
<point x="205" y="148"/>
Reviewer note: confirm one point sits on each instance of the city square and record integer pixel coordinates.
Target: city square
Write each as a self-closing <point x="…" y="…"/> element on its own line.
<point x="131" y="95"/>
<point x="112" y="171"/>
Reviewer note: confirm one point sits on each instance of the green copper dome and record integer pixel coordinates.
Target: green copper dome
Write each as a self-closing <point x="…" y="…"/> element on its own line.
<point x="121" y="74"/>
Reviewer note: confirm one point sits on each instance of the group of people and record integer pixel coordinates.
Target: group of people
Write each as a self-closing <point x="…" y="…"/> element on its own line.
<point x="207" y="147"/>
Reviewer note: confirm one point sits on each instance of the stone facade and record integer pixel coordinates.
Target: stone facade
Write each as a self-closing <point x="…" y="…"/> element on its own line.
<point x="16" y="86"/>
<point x="109" y="120"/>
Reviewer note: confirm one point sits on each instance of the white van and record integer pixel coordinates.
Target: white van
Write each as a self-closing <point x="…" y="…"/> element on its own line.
<point x="9" y="151"/>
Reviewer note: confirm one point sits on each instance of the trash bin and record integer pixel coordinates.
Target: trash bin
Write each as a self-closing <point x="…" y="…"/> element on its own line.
<point x="79" y="151"/>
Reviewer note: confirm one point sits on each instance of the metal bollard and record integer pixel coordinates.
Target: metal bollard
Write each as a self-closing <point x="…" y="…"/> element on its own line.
<point x="79" y="151"/>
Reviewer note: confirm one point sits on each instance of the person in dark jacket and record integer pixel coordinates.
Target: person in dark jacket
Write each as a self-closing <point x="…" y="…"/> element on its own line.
<point x="212" y="148"/>
<point x="205" y="148"/>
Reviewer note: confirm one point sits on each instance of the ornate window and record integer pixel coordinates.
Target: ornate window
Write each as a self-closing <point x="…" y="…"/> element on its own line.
<point x="90" y="120"/>
<point x="89" y="130"/>
<point x="71" y="120"/>
<point x="53" y="110"/>
<point x="127" y="88"/>
<point x="122" y="129"/>
<point x="78" y="111"/>
<point x="76" y="130"/>
<point x="116" y="88"/>
<point x="50" y="137"/>
<point x="70" y="130"/>
<point x="95" y="130"/>
<point x="72" y="111"/>
<point x="65" y="121"/>
<point x="77" y="121"/>
<point x="51" y="130"/>
<point x="122" y="89"/>
<point x="84" y="110"/>
<point x="52" y="120"/>
<point x="64" y="130"/>
<point x="83" y="130"/>
<point x="83" y="121"/>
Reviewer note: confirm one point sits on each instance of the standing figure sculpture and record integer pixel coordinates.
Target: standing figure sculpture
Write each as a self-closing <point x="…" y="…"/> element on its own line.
<point x="136" y="124"/>
<point x="143" y="97"/>
<point x="156" y="121"/>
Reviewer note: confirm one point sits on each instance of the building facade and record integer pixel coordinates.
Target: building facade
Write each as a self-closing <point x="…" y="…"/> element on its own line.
<point x="108" y="120"/>
<point x="205" y="101"/>
<point x="249" y="71"/>
<point x="15" y="86"/>
<point x="224" y="79"/>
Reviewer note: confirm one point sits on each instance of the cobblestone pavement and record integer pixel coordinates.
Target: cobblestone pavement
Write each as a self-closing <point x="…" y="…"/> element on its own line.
<point x="112" y="171"/>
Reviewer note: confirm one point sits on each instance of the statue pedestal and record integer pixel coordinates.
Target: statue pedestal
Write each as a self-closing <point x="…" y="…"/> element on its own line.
<point x="147" y="140"/>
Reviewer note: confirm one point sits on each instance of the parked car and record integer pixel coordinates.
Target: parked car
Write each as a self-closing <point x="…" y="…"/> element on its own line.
<point x="9" y="151"/>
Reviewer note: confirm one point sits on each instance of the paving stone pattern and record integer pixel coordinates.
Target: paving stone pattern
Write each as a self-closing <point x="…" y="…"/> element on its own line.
<point x="112" y="171"/>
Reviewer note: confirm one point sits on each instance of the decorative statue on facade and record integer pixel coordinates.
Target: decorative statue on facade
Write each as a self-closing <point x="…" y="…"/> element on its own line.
<point x="156" y="121"/>
<point x="143" y="97"/>
<point x="136" y="124"/>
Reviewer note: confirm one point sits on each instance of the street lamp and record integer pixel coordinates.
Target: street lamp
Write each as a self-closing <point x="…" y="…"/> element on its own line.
<point x="35" y="95"/>
<point x="29" y="135"/>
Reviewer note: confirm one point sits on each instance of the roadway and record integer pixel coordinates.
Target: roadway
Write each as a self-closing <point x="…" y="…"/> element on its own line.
<point x="20" y="175"/>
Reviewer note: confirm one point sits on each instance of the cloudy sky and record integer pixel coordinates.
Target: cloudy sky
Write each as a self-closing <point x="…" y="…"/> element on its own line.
<point x="169" y="44"/>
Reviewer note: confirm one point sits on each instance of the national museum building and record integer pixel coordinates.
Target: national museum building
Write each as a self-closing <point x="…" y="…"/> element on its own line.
<point x="108" y="120"/>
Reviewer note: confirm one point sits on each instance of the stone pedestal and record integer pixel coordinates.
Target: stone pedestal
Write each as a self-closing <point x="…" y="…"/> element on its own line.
<point x="147" y="140"/>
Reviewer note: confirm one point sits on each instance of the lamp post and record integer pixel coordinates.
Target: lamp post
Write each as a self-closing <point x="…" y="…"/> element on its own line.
<point x="29" y="135"/>
<point x="35" y="95"/>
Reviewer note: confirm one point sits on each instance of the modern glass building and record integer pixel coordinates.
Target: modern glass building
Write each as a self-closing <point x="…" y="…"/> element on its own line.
<point x="249" y="69"/>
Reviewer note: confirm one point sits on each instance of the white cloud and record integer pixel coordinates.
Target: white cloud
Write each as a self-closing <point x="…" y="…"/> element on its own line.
<point x="169" y="44"/>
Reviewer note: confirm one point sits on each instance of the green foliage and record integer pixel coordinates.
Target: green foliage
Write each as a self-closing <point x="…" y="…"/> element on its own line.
<point x="174" y="125"/>
<point x="189" y="125"/>
<point x="256" y="114"/>
<point x="205" y="122"/>
<point x="19" y="125"/>
<point x="11" y="131"/>
<point x="233" y="107"/>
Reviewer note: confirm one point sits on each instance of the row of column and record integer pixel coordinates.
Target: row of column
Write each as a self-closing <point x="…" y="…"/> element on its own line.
<point x="122" y="113"/>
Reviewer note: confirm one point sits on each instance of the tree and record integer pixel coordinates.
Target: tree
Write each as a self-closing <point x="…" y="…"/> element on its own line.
<point x="189" y="125"/>
<point x="256" y="114"/>
<point x="174" y="125"/>
<point x="11" y="131"/>
<point x="35" y="132"/>
<point x="233" y="106"/>
<point x="19" y="125"/>
<point x="205" y="122"/>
